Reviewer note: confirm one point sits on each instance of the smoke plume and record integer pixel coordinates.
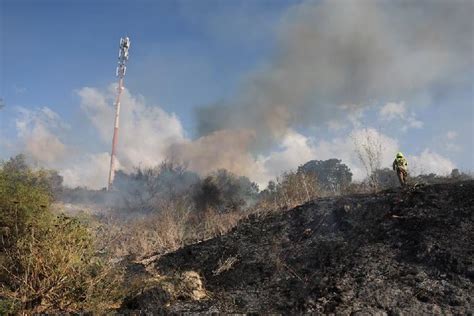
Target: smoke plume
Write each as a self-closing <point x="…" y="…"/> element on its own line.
<point x="145" y="131"/>
<point x="335" y="57"/>
<point x="332" y="59"/>
<point x="37" y="131"/>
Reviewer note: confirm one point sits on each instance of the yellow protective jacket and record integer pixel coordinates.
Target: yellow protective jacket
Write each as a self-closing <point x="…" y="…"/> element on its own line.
<point x="400" y="163"/>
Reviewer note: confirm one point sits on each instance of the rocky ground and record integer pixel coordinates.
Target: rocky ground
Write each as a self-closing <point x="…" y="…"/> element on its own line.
<point x="404" y="251"/>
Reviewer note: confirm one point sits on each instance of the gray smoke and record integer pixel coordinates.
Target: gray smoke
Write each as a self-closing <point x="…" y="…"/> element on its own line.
<point x="338" y="56"/>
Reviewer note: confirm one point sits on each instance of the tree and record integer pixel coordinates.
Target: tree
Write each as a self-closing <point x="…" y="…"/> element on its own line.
<point x="208" y="195"/>
<point x="369" y="149"/>
<point x="48" y="179"/>
<point x="291" y="189"/>
<point x="224" y="192"/>
<point x="145" y="189"/>
<point x="16" y="165"/>
<point x="332" y="175"/>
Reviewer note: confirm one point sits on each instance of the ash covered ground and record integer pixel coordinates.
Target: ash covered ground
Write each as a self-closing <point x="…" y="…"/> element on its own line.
<point x="404" y="251"/>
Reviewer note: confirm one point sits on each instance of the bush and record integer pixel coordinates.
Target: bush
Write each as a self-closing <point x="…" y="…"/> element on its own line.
<point x="145" y="188"/>
<point x="140" y="235"/>
<point x="224" y="192"/>
<point x="48" y="262"/>
<point x="291" y="189"/>
<point x="169" y="228"/>
<point x="333" y="176"/>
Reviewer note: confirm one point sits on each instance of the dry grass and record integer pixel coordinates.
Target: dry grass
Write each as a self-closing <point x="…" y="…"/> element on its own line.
<point x="225" y="265"/>
<point x="161" y="232"/>
<point x="290" y="190"/>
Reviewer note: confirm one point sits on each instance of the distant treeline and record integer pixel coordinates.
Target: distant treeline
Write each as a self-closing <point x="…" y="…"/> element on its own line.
<point x="147" y="190"/>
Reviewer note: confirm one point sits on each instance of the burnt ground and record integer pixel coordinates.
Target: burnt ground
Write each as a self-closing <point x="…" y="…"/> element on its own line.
<point x="404" y="251"/>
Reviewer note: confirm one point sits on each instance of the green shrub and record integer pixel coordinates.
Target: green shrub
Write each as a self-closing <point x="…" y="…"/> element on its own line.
<point x="48" y="262"/>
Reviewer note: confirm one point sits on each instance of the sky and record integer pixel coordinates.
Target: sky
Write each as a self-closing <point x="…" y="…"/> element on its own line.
<point x="257" y="87"/>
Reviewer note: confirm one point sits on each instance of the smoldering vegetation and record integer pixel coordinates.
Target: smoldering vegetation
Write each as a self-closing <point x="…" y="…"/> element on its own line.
<point x="392" y="252"/>
<point x="67" y="249"/>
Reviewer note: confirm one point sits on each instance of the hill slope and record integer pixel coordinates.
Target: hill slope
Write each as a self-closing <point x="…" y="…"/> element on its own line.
<point x="407" y="251"/>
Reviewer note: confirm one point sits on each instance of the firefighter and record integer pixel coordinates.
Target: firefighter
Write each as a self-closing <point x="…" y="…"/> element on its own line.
<point x="400" y="165"/>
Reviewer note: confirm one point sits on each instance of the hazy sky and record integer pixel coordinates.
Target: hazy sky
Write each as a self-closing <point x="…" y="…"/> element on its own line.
<point x="257" y="87"/>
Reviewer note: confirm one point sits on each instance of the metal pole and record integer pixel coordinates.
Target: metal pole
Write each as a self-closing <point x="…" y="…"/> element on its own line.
<point x="123" y="58"/>
<point x="115" y="137"/>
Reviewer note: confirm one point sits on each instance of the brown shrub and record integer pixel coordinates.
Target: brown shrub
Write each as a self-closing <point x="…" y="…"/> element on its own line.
<point x="291" y="189"/>
<point x="167" y="230"/>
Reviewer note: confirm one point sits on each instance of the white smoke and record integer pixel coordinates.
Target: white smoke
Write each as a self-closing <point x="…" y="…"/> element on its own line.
<point x="82" y="168"/>
<point x="145" y="131"/>
<point x="89" y="170"/>
<point x="296" y="149"/>
<point x="37" y="131"/>
<point x="145" y="134"/>
<point x="430" y="162"/>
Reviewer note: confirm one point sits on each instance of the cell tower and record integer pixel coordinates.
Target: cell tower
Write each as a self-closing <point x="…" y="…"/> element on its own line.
<point x="120" y="73"/>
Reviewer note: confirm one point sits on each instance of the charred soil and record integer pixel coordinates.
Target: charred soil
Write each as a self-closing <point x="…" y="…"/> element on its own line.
<point x="404" y="251"/>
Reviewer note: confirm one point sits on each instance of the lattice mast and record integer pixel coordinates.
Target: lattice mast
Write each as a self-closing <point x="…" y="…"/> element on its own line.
<point x="120" y="73"/>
